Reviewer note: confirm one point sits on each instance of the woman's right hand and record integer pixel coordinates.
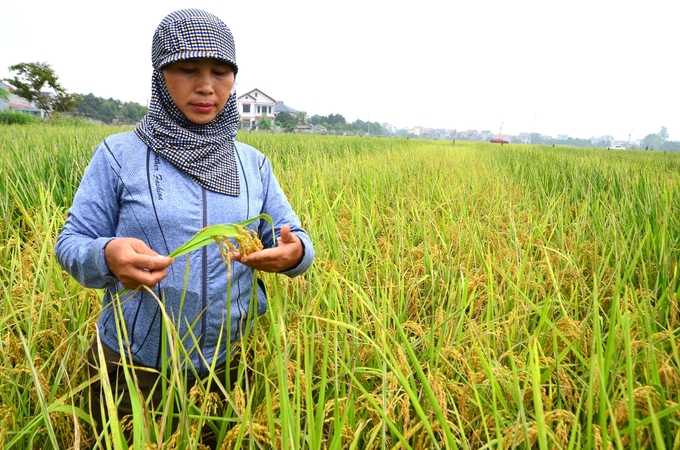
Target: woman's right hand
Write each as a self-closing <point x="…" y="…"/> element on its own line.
<point x="134" y="263"/>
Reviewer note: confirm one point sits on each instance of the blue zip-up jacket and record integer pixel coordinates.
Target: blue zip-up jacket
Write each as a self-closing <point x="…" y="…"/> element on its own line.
<point x="130" y="191"/>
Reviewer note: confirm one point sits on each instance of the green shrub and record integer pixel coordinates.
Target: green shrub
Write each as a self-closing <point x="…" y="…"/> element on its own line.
<point x="9" y="116"/>
<point x="68" y="120"/>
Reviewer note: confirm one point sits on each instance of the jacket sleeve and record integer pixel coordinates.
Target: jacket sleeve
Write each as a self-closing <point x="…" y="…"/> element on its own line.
<point x="91" y="222"/>
<point x="277" y="206"/>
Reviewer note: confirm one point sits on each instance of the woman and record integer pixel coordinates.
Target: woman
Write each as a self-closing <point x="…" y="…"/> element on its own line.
<point x="148" y="191"/>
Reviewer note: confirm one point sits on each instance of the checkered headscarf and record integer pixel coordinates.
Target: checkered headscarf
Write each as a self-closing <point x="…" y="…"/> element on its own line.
<point x="204" y="152"/>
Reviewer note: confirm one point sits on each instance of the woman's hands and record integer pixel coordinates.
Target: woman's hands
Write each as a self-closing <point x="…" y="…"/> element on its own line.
<point x="286" y="255"/>
<point x="134" y="263"/>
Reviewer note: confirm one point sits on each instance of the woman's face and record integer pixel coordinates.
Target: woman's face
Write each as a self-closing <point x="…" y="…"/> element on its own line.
<point x="199" y="87"/>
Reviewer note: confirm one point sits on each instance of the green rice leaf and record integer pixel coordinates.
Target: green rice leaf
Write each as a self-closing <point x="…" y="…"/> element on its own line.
<point x="205" y="236"/>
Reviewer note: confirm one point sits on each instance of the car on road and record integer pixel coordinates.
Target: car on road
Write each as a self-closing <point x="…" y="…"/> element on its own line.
<point x="616" y="147"/>
<point x="497" y="140"/>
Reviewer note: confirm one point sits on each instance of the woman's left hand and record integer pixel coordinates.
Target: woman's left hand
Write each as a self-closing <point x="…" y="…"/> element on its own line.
<point x="286" y="255"/>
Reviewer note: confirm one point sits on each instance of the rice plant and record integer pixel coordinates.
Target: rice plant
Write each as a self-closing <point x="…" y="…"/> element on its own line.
<point x="473" y="296"/>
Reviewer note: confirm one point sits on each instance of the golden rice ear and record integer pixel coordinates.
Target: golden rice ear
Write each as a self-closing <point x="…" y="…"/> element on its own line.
<point x="247" y="242"/>
<point x="208" y="234"/>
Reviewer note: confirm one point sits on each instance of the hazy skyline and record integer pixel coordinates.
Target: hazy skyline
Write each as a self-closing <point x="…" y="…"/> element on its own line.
<point x="581" y="68"/>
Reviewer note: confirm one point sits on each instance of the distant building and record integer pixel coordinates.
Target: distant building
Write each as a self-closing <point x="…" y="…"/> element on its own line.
<point x="319" y="129"/>
<point x="4" y="104"/>
<point x="304" y="129"/>
<point x="606" y="138"/>
<point x="429" y="133"/>
<point x="17" y="103"/>
<point x="254" y="105"/>
<point x="389" y="128"/>
<point x="279" y="107"/>
<point x="485" y="135"/>
<point x="310" y="129"/>
<point x="524" y="138"/>
<point x="441" y="133"/>
<point x="469" y="134"/>
<point x="416" y="131"/>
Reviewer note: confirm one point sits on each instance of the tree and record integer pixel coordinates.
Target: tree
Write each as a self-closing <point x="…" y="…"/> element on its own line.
<point x="672" y="146"/>
<point x="652" y="140"/>
<point x="132" y="112"/>
<point x="334" y="122"/>
<point x="31" y="81"/>
<point x="656" y="141"/>
<point x="301" y="118"/>
<point x="109" y="111"/>
<point x="578" y="142"/>
<point x="4" y="95"/>
<point x="286" y="121"/>
<point x="264" y="124"/>
<point x="89" y="106"/>
<point x="377" y="130"/>
<point x="603" y="143"/>
<point x="359" y="126"/>
<point x="337" y="120"/>
<point x="65" y="103"/>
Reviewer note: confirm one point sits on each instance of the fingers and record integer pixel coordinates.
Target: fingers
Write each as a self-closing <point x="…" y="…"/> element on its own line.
<point x="152" y="277"/>
<point x="134" y="263"/>
<point x="287" y="254"/>
<point x="236" y="256"/>
<point x="131" y="277"/>
<point x="137" y="277"/>
<point x="286" y="236"/>
<point x="154" y="263"/>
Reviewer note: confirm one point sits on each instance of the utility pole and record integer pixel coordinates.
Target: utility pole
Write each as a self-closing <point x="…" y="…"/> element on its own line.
<point x="631" y="132"/>
<point x="500" y="132"/>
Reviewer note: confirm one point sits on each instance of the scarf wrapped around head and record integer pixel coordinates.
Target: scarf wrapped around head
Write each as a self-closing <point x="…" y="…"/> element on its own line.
<point x="204" y="152"/>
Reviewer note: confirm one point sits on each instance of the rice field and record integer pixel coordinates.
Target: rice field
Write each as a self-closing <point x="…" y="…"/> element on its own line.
<point x="463" y="297"/>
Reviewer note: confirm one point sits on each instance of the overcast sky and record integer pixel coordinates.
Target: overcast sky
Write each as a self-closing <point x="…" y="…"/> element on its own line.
<point x="582" y="68"/>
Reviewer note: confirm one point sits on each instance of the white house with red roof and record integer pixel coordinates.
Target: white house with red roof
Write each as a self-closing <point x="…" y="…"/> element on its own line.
<point x="469" y="134"/>
<point x="524" y="138"/>
<point x="417" y="130"/>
